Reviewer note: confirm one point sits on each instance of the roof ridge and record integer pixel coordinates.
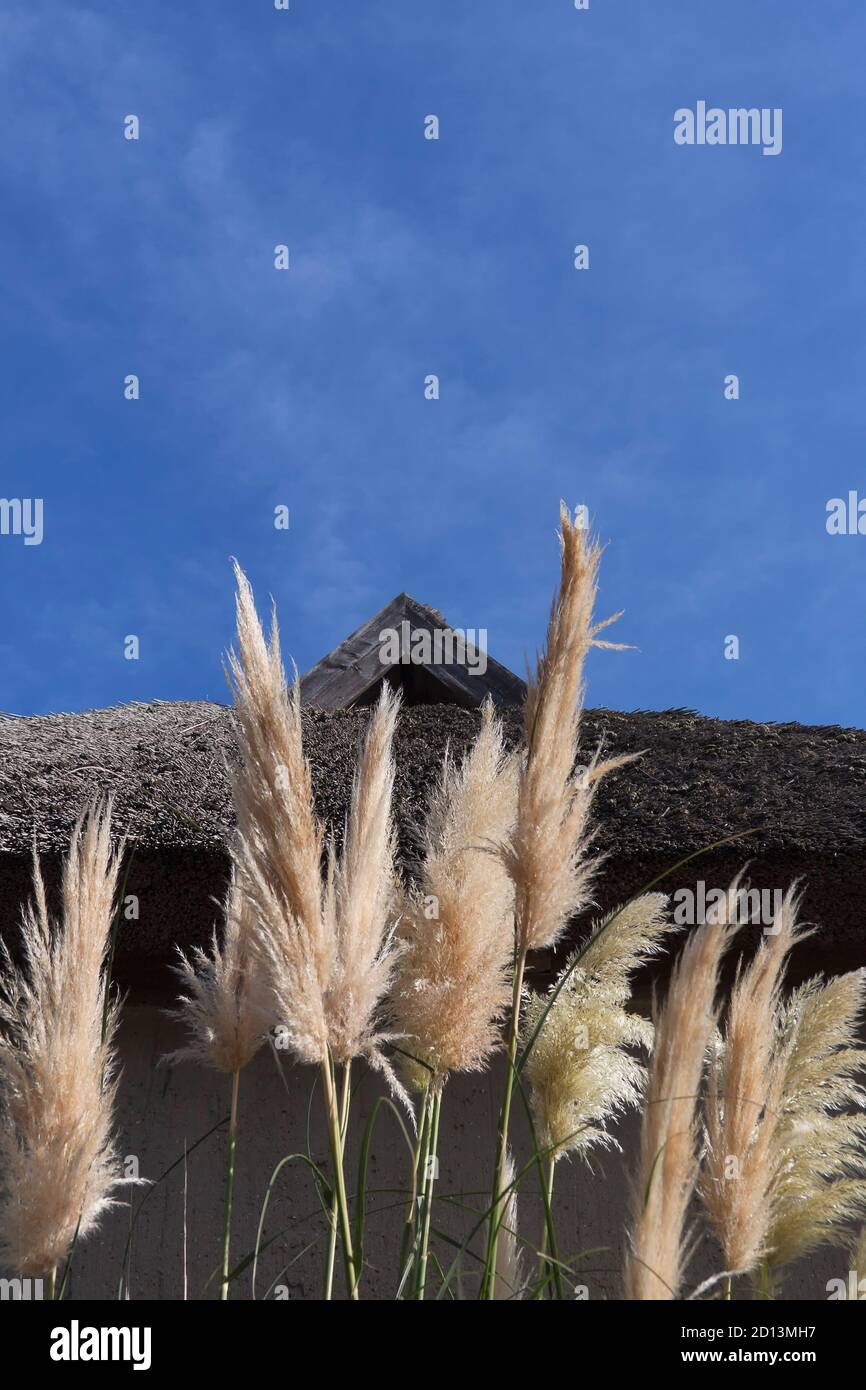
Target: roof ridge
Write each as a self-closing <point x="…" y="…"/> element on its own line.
<point x="358" y="664"/>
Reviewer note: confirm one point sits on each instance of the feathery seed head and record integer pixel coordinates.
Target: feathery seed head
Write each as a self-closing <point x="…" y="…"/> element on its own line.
<point x="856" y="1246"/>
<point x="744" y="1099"/>
<point x="359" y="901"/>
<point x="452" y="984"/>
<point x="509" y="1279"/>
<point x="57" y="1084"/>
<point x="548" y="853"/>
<point x="786" y="1107"/>
<point x="579" y="1070"/>
<point x="228" y="1006"/>
<point x="326" y="948"/>
<point x="278" y="851"/>
<point x="819" y="1142"/>
<point x="668" y="1164"/>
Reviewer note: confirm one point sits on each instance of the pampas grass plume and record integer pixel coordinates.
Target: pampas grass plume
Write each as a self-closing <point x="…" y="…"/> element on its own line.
<point x="509" y="1278"/>
<point x="743" y="1101"/>
<point x="452" y="986"/>
<point x="359" y="901"/>
<point x="579" y="1070"/>
<point x="327" y="948"/>
<point x="547" y="856"/>
<point x="819" y="1143"/>
<point x="58" y="1164"/>
<point x="228" y="1007"/>
<point x="668" y="1163"/>
<point x="280" y="842"/>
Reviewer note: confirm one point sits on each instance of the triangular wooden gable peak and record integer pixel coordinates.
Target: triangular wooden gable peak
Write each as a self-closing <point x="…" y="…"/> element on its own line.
<point x="353" y="672"/>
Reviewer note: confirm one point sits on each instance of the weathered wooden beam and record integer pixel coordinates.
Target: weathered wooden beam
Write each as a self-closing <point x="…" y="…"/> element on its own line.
<point x="360" y="663"/>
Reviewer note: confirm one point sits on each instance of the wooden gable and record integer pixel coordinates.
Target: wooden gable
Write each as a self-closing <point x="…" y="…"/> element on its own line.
<point x="353" y="672"/>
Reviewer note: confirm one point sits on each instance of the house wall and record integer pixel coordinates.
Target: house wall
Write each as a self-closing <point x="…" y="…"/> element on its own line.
<point x="176" y="1241"/>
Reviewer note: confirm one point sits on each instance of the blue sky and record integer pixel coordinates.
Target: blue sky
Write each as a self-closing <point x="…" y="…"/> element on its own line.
<point x="409" y="257"/>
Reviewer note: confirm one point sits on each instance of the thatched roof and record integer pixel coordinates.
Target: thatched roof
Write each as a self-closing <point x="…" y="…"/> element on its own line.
<point x="701" y="780"/>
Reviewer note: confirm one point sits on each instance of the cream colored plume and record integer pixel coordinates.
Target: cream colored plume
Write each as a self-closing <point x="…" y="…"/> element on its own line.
<point x="327" y="947"/>
<point x="856" y="1246"/>
<point x="744" y="1101"/>
<point x="58" y="1164"/>
<point x="819" y="1142"/>
<point x="668" y="1156"/>
<point x="580" y="1071"/>
<point x="548" y="853"/>
<point x="228" y="1007"/>
<point x="452" y="985"/>
<point x="278" y="853"/>
<point x="509" y="1280"/>
<point x="360" y="898"/>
